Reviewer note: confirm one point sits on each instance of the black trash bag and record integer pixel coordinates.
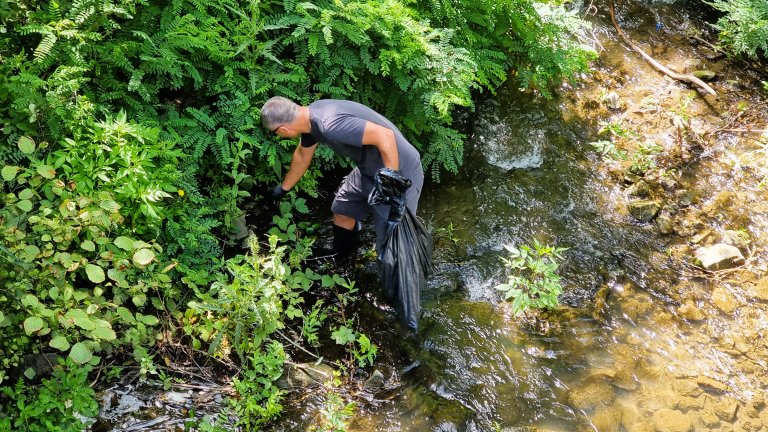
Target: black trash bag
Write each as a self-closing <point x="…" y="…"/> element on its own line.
<point x="389" y="187"/>
<point x="406" y="258"/>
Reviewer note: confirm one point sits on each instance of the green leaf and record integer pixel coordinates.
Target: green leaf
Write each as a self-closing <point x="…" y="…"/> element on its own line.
<point x="26" y="194"/>
<point x="103" y="331"/>
<point x="46" y="171"/>
<point x="60" y="343"/>
<point x="95" y="273"/>
<point x="30" y="301"/>
<point x="124" y="243"/>
<point x="142" y="257"/>
<point x="148" y="319"/>
<point x="9" y="172"/>
<point x="125" y="314"/>
<point x="26" y="145"/>
<point x="90" y="247"/>
<point x="33" y="324"/>
<point x="110" y="206"/>
<point x="24" y="205"/>
<point x="80" y="353"/>
<point x="81" y="319"/>
<point x="30" y="253"/>
<point x="343" y="335"/>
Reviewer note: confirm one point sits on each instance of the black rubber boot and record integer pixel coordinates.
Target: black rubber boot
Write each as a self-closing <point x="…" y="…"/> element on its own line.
<point x="345" y="243"/>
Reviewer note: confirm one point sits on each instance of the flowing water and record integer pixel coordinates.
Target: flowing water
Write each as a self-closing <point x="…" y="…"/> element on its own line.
<point x="645" y="340"/>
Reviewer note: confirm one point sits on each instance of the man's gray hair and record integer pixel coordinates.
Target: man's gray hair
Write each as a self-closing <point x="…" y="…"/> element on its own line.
<point x="278" y="111"/>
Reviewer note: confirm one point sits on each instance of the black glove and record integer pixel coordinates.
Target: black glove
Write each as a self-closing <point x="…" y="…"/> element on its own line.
<point x="278" y="192"/>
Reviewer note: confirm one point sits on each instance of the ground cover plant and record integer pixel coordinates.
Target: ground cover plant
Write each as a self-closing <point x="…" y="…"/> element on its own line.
<point x="131" y="142"/>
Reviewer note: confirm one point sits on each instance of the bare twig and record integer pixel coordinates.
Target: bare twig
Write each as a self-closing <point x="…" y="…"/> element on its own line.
<point x="680" y="77"/>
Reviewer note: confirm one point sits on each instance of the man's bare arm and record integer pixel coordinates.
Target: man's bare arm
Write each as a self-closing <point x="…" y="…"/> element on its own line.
<point x="384" y="139"/>
<point x="300" y="161"/>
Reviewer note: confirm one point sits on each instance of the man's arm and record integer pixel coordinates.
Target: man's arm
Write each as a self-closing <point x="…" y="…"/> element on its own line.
<point x="302" y="156"/>
<point x="384" y="139"/>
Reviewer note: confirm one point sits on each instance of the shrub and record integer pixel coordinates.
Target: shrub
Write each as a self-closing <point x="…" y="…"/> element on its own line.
<point x="533" y="282"/>
<point x="744" y="28"/>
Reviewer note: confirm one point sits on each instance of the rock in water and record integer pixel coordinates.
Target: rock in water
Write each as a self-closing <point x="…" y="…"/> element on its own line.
<point x="644" y="210"/>
<point x="720" y="256"/>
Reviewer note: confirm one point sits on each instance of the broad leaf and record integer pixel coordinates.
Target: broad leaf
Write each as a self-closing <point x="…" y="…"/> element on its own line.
<point x="95" y="273"/>
<point x="26" y="145"/>
<point x="124" y="243"/>
<point x="80" y="353"/>
<point x="60" y="343"/>
<point x="46" y="171"/>
<point x="143" y="257"/>
<point x="9" y="172"/>
<point x="33" y="324"/>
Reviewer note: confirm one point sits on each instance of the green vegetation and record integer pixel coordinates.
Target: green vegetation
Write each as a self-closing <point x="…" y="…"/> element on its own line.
<point x="131" y="141"/>
<point x="533" y="280"/>
<point x="744" y="28"/>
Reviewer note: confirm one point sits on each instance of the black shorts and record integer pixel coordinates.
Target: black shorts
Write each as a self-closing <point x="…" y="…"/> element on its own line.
<point x="352" y="200"/>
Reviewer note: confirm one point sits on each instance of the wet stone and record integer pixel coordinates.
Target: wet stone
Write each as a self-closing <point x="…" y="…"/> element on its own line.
<point x="711" y="385"/>
<point x="723" y="299"/>
<point x="760" y="290"/>
<point x="666" y="224"/>
<point x="590" y="394"/>
<point x="687" y="387"/>
<point x="612" y="101"/>
<point x="735" y="238"/>
<point x="720" y="256"/>
<point x="644" y="210"/>
<point x="606" y="419"/>
<point x="689" y="403"/>
<point x="751" y="425"/>
<point x="639" y="189"/>
<point x="625" y="381"/>
<point x="667" y="420"/>
<point x="704" y="75"/>
<point x="709" y="419"/>
<point x="726" y="409"/>
<point x="690" y="311"/>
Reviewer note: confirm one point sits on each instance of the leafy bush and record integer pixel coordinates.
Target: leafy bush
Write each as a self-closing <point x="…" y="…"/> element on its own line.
<point x="132" y="140"/>
<point x="744" y="28"/>
<point x="61" y="402"/>
<point x="533" y="280"/>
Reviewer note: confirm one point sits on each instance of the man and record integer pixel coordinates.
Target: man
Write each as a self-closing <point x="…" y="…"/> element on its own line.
<point x="359" y="133"/>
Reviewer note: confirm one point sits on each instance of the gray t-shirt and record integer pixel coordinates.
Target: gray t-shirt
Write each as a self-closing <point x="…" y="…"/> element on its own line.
<point x="340" y="125"/>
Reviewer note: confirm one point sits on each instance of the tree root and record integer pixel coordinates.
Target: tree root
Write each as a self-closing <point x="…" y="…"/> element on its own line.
<point x="680" y="77"/>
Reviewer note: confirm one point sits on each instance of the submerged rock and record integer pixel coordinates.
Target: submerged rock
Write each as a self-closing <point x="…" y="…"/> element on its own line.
<point x="704" y="75"/>
<point x="724" y="300"/>
<point x="665" y="224"/>
<point x="720" y="256"/>
<point x="690" y="311"/>
<point x="644" y="210"/>
<point x="760" y="290"/>
<point x="639" y="189"/>
<point x="591" y="393"/>
<point x="667" y="420"/>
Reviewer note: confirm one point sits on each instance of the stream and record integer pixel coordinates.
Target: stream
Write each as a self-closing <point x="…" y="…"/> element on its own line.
<point x="645" y="340"/>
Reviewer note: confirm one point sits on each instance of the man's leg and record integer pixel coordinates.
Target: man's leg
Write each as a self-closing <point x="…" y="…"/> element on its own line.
<point x="349" y="207"/>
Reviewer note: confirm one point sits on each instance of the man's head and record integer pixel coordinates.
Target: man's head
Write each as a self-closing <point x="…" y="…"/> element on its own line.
<point x="278" y="115"/>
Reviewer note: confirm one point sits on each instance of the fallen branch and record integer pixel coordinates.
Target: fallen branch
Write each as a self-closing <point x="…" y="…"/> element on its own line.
<point x="760" y="131"/>
<point x="680" y="77"/>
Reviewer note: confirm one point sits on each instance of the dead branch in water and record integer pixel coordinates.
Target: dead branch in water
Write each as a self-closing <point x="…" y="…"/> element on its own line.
<point x="680" y="77"/>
